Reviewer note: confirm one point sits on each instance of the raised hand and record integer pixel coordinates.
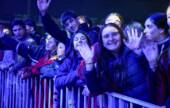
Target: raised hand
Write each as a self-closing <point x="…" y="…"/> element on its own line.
<point x="150" y="50"/>
<point x="134" y="38"/>
<point x="86" y="52"/>
<point x="43" y="6"/>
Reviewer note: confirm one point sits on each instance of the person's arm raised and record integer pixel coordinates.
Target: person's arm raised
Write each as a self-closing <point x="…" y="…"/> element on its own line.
<point x="133" y="39"/>
<point x="43" y="6"/>
<point x="49" y="24"/>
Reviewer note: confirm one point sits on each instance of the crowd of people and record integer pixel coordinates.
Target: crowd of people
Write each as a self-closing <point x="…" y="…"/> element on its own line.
<point x="111" y="57"/>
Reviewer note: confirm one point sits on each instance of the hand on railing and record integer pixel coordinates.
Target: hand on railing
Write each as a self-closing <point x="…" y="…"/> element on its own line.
<point x="25" y="73"/>
<point x="3" y="66"/>
<point x="86" y="91"/>
<point x="80" y="83"/>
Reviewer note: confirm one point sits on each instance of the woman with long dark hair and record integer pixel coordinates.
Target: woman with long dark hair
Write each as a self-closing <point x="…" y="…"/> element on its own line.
<point x="68" y="71"/>
<point x="117" y="68"/>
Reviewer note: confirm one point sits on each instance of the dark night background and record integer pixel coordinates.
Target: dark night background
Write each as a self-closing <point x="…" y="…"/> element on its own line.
<point x="96" y="9"/>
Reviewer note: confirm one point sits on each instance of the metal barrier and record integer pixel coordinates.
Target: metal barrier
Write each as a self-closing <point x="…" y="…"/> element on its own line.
<point x="30" y="93"/>
<point x="40" y="93"/>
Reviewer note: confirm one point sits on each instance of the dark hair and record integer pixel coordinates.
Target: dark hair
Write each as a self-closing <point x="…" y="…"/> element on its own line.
<point x="18" y="22"/>
<point x="67" y="15"/>
<point x="168" y="4"/>
<point x="30" y="23"/>
<point x="71" y="52"/>
<point x="89" y="21"/>
<point x="160" y="20"/>
<point x="135" y="24"/>
<point x="102" y="62"/>
<point x="49" y="37"/>
<point x="86" y="19"/>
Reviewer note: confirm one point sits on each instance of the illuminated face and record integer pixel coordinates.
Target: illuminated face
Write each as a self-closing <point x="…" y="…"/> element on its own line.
<point x="111" y="38"/>
<point x="79" y="39"/>
<point x="152" y="32"/>
<point x="168" y="15"/>
<point x="60" y="49"/>
<point x="18" y="31"/>
<point x="71" y="25"/>
<point x="50" y="44"/>
<point x="113" y="18"/>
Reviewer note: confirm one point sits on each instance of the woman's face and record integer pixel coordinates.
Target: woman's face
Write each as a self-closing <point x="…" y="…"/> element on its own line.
<point x="50" y="44"/>
<point x="79" y="39"/>
<point x="168" y="15"/>
<point x="60" y="49"/>
<point x="111" y="38"/>
<point x="152" y="32"/>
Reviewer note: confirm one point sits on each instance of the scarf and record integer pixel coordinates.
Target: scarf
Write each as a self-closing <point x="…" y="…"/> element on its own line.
<point x="43" y="62"/>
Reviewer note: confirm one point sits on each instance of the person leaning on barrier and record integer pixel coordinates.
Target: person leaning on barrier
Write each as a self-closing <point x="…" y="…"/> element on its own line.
<point x="117" y="69"/>
<point x="71" y="71"/>
<point x="20" y="35"/>
<point x="156" y="32"/>
<point x="31" y="29"/>
<point x="37" y="55"/>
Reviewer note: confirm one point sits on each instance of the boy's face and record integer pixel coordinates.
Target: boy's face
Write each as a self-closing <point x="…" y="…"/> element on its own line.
<point x="18" y="31"/>
<point x="71" y="25"/>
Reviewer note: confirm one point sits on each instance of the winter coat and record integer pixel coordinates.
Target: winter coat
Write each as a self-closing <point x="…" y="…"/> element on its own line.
<point x="106" y="76"/>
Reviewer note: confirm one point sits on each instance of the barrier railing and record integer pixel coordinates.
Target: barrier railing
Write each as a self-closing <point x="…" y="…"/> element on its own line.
<point x="40" y="93"/>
